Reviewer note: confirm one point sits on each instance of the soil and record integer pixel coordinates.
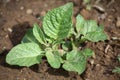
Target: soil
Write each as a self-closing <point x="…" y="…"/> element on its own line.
<point x="16" y="16"/>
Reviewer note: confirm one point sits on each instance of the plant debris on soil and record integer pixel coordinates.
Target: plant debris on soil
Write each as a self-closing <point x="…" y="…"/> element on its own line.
<point x="17" y="16"/>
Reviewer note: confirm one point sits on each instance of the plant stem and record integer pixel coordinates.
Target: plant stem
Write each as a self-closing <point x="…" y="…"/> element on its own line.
<point x="73" y="44"/>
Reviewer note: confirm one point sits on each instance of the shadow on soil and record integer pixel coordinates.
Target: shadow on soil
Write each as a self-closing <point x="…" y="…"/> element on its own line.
<point x="18" y="31"/>
<point x="58" y="72"/>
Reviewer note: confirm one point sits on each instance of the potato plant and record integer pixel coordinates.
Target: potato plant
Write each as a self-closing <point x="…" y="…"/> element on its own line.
<point x="58" y="41"/>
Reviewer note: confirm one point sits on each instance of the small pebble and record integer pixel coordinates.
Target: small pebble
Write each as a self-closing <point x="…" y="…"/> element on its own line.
<point x="4" y="48"/>
<point x="92" y="61"/>
<point x="29" y="11"/>
<point x="21" y="8"/>
<point x="45" y="5"/>
<point x="6" y="36"/>
<point x="97" y="65"/>
<point x="9" y="29"/>
<point x="110" y="18"/>
<point x="118" y="22"/>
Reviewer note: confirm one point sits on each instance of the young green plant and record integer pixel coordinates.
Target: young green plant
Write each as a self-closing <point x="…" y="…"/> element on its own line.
<point x="117" y="69"/>
<point x="58" y="41"/>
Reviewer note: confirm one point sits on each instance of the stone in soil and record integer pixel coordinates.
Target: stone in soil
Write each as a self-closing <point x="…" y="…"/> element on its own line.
<point x="10" y="30"/>
<point x="21" y="8"/>
<point x="29" y="11"/>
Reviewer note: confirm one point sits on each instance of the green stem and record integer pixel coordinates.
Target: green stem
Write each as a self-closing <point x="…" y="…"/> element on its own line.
<point x="74" y="33"/>
<point x="43" y="53"/>
<point x="73" y="44"/>
<point x="82" y="40"/>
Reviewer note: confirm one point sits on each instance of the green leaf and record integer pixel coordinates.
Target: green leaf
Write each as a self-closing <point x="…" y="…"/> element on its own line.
<point x="29" y="37"/>
<point x="26" y="54"/>
<point x="89" y="26"/>
<point x="53" y="59"/>
<point x="38" y="33"/>
<point x="67" y="46"/>
<point x="96" y="36"/>
<point x="58" y="22"/>
<point x="79" y="23"/>
<point x="76" y="61"/>
<point x="116" y="70"/>
<point x="87" y="52"/>
<point x="56" y="44"/>
<point x="90" y="30"/>
<point x="100" y="28"/>
<point x="49" y="39"/>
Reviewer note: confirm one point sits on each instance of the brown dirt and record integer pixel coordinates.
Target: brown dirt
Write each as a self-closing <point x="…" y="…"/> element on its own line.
<point x="14" y="21"/>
